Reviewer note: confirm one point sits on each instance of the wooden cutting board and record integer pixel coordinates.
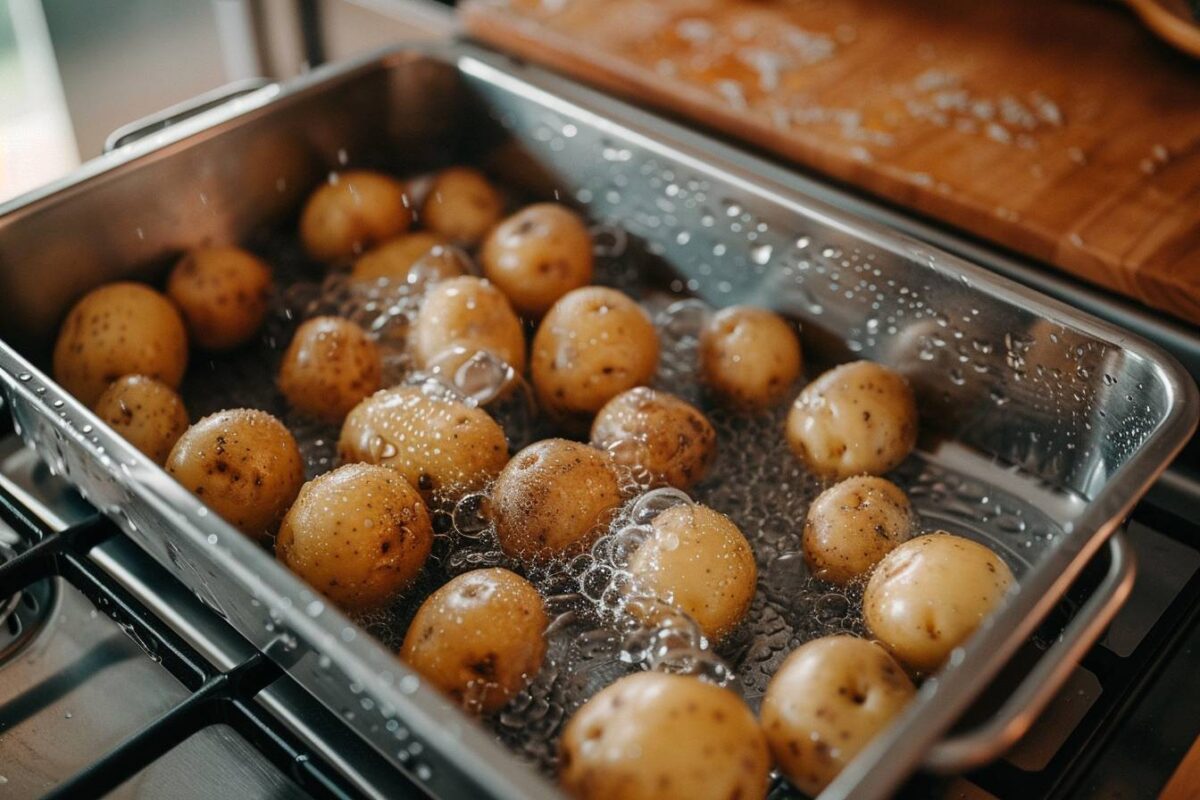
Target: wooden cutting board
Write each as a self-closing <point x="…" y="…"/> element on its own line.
<point x="1061" y="129"/>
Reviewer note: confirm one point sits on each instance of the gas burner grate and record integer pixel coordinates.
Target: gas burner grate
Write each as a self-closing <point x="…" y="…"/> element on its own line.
<point x="24" y="612"/>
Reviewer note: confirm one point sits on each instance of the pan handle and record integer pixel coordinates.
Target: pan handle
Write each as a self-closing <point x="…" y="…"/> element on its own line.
<point x="160" y="120"/>
<point x="991" y="739"/>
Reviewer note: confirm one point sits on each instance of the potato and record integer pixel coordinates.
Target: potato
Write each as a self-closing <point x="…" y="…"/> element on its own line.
<point x="852" y="525"/>
<point x="656" y="736"/>
<point x="329" y="368"/>
<point x="462" y="205"/>
<point x="480" y="638"/>
<point x="928" y="596"/>
<point x="856" y="418"/>
<point x="698" y="561"/>
<point x="146" y="412"/>
<point x="554" y="498"/>
<point x="749" y="357"/>
<point x="537" y="255"/>
<point x="594" y="344"/>
<point x="444" y="448"/>
<point x="827" y="701"/>
<point x="470" y="312"/>
<point x="223" y="294"/>
<point x="359" y="535"/>
<point x="244" y="464"/>
<point x="116" y="330"/>
<point x="410" y="258"/>
<point x="351" y="213"/>
<point x="663" y="439"/>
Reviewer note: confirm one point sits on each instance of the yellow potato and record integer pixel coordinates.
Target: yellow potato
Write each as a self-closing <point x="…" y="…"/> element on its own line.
<point x="329" y="368"/>
<point x="856" y="418"/>
<point x="828" y="700"/>
<point x="116" y="330"/>
<point x="553" y="499"/>
<point x="462" y="205"/>
<point x="359" y="535"/>
<point x="537" y="255"/>
<point x="351" y="213"/>
<point x="928" y="596"/>
<point x="698" y="561"/>
<point x="443" y="448"/>
<point x="656" y="736"/>
<point x="223" y="294"/>
<point x="852" y="525"/>
<point x="749" y="357"/>
<point x="146" y="412"/>
<point x="480" y="638"/>
<point x="244" y="464"/>
<point x="594" y="344"/>
<point x="409" y="258"/>
<point x="663" y="439"/>
<point x="472" y="313"/>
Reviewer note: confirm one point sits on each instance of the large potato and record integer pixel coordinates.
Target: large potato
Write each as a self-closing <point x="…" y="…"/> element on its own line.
<point x="222" y="293"/>
<point x="329" y="368"/>
<point x="470" y="312"/>
<point x="244" y="464"/>
<point x="698" y="561"/>
<point x="480" y="638"/>
<point x="409" y="258"/>
<point x="594" y="344"/>
<point x="351" y="213"/>
<point x="462" y="205"/>
<point x="749" y="357"/>
<point x="663" y="439"/>
<point x="825" y="704"/>
<point x="359" y="535"/>
<point x="856" y="418"/>
<point x="116" y="330"/>
<point x="852" y="525"/>
<point x="537" y="255"/>
<point x="928" y="596"/>
<point x="655" y="736"/>
<point x="553" y="498"/>
<point x="443" y="448"/>
<point x="147" y="412"/>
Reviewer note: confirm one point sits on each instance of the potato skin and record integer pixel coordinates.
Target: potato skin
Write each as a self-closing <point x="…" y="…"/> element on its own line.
<point x="660" y="436"/>
<point x="480" y="638"/>
<point x="852" y="525"/>
<point x="359" y="534"/>
<point x="929" y="595"/>
<point x="146" y="412"/>
<point x="119" y="329"/>
<point x="697" y="560"/>
<point x="351" y="213"/>
<point x="395" y="259"/>
<point x="330" y="366"/>
<point x="443" y="448"/>
<point x="471" y="312"/>
<point x="827" y="701"/>
<point x="553" y="499"/>
<point x="857" y="418"/>
<point x="222" y="293"/>
<point x="244" y="464"/>
<point x="749" y="357"/>
<point x="656" y="736"/>
<point x="462" y="205"/>
<point x="538" y="255"/>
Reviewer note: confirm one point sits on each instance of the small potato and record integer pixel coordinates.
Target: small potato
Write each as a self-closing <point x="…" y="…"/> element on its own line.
<point x="749" y="357"/>
<point x="854" y="419"/>
<point x="537" y="255"/>
<point x="657" y="736"/>
<point x="119" y="329"/>
<point x="697" y="560"/>
<point x="443" y="448"/>
<point x="329" y="368"/>
<point x="410" y="258"/>
<point x="244" y="464"/>
<point x="222" y="293"/>
<point x="359" y="535"/>
<point x="828" y="700"/>
<point x="662" y="438"/>
<point x="471" y="312"/>
<point x="462" y="205"/>
<point x="852" y="525"/>
<point x="553" y="499"/>
<point x="594" y="344"/>
<point x="351" y="213"/>
<point x="146" y="412"/>
<point x="928" y="596"/>
<point x="480" y="638"/>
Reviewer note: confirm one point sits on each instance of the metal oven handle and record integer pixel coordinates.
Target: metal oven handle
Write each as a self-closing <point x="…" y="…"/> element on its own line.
<point x="991" y="739"/>
<point x="161" y="120"/>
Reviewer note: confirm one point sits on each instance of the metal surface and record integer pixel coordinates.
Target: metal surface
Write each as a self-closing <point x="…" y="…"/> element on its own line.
<point x="161" y="120"/>
<point x="1027" y="397"/>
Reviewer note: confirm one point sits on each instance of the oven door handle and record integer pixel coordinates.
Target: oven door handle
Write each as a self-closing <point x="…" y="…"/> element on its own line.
<point x="992" y="738"/>
<point x="161" y="120"/>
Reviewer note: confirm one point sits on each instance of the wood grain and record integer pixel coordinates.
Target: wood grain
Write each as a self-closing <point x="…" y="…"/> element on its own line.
<point x="1063" y="130"/>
